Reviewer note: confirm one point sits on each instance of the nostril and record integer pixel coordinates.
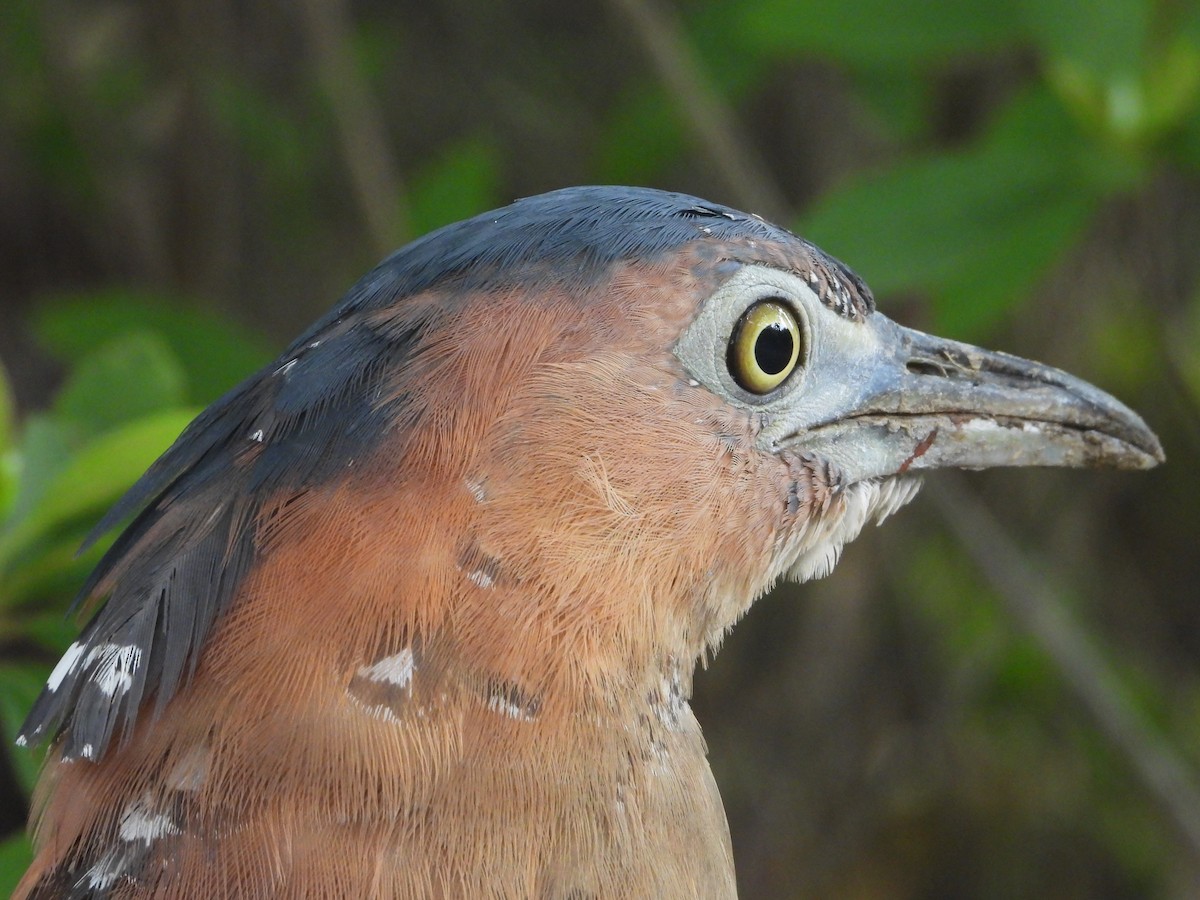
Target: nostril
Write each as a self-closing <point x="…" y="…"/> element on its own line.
<point x="927" y="367"/>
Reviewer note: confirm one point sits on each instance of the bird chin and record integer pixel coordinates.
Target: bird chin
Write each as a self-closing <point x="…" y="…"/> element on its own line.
<point x="817" y="549"/>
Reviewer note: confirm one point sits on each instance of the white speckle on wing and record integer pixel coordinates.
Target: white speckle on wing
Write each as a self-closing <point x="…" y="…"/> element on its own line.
<point x="397" y="669"/>
<point x="115" y="665"/>
<point x="481" y="578"/>
<point x="65" y="666"/>
<point x="286" y="367"/>
<point x="87" y="751"/>
<point x="498" y="703"/>
<point x="20" y="741"/>
<point x="477" y="490"/>
<point x="257" y="436"/>
<point x="379" y="711"/>
<point x="113" y="671"/>
<point x="110" y="867"/>
<point x="140" y="823"/>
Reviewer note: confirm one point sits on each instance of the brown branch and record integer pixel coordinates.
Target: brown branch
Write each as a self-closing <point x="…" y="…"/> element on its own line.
<point x="375" y="179"/>
<point x="714" y="129"/>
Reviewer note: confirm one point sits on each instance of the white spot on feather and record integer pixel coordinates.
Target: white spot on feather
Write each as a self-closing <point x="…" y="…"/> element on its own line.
<point x="498" y="703"/>
<point x="110" y="867"/>
<point x="397" y="669"/>
<point x="141" y="826"/>
<point x="113" y="673"/>
<point x="141" y="823"/>
<point x="476" y="488"/>
<point x="115" y="665"/>
<point x="481" y="578"/>
<point x="65" y="666"/>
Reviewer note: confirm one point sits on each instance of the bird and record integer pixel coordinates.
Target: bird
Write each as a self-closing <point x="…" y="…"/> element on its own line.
<point x="414" y="610"/>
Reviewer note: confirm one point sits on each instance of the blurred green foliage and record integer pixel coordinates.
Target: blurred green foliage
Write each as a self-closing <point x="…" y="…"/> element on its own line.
<point x="1092" y="104"/>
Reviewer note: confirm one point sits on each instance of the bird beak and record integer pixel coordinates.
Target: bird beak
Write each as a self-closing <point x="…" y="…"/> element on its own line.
<point x="923" y="402"/>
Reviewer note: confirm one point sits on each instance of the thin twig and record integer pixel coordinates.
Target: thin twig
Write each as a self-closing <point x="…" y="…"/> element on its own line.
<point x="714" y="129"/>
<point x="1035" y="606"/>
<point x="378" y="187"/>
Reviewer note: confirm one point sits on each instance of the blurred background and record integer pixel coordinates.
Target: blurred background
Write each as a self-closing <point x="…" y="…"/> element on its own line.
<point x="996" y="695"/>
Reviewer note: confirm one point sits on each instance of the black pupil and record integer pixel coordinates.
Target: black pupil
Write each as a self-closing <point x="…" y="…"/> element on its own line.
<point x="773" y="348"/>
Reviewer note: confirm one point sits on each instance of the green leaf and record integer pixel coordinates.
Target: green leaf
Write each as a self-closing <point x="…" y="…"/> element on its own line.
<point x="995" y="281"/>
<point x="1106" y="39"/>
<point x="462" y="181"/>
<point x="44" y="449"/>
<point x="878" y="32"/>
<point x="215" y="353"/>
<point x="899" y="98"/>
<point x="1185" y="146"/>
<point x="16" y="853"/>
<point x="127" y="378"/>
<point x="9" y="461"/>
<point x="1125" y="347"/>
<point x="107" y="466"/>
<point x="10" y="480"/>
<point x="976" y="227"/>
<point x="1131" y="75"/>
<point x="715" y="32"/>
<point x="285" y="142"/>
<point x="95" y="477"/>
<point x="270" y="136"/>
<point x="643" y="137"/>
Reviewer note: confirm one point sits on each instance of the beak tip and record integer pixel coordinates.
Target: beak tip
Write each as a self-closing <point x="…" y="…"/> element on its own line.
<point x="1143" y="452"/>
<point x="1155" y="455"/>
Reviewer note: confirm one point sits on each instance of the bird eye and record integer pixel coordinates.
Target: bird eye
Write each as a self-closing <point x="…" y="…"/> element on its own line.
<point x="765" y="346"/>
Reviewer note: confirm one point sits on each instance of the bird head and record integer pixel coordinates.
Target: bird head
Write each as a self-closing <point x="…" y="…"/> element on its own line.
<point x="578" y="434"/>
